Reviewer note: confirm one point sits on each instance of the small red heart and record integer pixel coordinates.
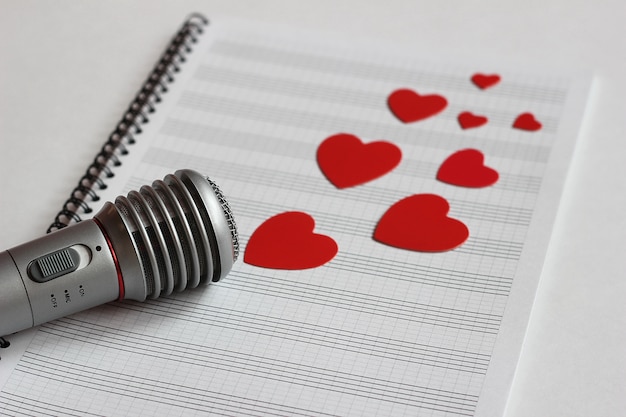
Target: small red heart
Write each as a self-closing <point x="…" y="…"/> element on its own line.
<point x="346" y="161"/>
<point x="483" y="81"/>
<point x="467" y="168"/>
<point x="526" y="121"/>
<point x="287" y="241"/>
<point x="468" y="120"/>
<point x="409" y="106"/>
<point x="420" y="223"/>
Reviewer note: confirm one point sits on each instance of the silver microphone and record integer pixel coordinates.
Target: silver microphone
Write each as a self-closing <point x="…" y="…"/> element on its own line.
<point x="176" y="234"/>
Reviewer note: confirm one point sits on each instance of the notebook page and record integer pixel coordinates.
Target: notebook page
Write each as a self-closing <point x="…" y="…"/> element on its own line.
<point x="378" y="330"/>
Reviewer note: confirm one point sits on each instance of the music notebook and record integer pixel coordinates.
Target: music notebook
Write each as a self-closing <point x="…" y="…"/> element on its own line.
<point x="394" y="215"/>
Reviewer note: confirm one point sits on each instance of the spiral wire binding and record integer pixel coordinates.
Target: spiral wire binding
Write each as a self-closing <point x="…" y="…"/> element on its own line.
<point x="144" y="103"/>
<point x="129" y="126"/>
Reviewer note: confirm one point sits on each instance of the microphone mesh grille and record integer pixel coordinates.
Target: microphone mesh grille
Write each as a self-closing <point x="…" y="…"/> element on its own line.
<point x="232" y="226"/>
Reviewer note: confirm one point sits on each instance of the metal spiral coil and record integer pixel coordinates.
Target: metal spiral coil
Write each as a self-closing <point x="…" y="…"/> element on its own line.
<point x="129" y="126"/>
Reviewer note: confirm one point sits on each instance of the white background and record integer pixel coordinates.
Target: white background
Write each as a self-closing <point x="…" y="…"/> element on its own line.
<point x="69" y="69"/>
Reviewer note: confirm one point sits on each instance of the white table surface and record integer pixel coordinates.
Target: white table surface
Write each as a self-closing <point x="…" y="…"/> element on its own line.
<point x="68" y="69"/>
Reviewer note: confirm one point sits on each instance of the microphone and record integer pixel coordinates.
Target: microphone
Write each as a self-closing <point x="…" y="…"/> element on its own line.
<point x="176" y="234"/>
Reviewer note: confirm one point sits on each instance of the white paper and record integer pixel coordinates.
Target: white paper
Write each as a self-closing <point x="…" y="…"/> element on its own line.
<point x="377" y="330"/>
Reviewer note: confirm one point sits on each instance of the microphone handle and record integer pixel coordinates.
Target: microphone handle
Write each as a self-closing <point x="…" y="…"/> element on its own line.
<point x="61" y="273"/>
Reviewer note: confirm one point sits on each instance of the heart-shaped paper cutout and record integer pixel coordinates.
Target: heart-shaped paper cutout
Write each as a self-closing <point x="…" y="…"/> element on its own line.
<point x="409" y="106"/>
<point x="527" y="121"/>
<point x="466" y="168"/>
<point x="346" y="161"/>
<point x="287" y="241"/>
<point x="421" y="223"/>
<point x="484" y="81"/>
<point x="469" y="120"/>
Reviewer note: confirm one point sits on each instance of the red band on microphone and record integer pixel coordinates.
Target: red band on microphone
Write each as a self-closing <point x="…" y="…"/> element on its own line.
<point x="120" y="280"/>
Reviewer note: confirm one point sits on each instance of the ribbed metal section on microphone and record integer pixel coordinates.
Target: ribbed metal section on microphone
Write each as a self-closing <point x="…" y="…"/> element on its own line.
<point x="183" y="231"/>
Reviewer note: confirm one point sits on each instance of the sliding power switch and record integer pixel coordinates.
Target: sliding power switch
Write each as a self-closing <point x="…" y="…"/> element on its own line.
<point x="53" y="265"/>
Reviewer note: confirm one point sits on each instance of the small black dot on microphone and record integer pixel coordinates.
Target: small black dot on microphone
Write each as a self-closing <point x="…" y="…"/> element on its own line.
<point x="98" y="248"/>
<point x="4" y="343"/>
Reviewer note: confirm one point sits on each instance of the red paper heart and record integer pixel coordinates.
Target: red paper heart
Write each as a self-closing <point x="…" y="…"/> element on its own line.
<point x="526" y="121"/>
<point x="468" y="120"/>
<point x="287" y="241"/>
<point x="346" y="161"/>
<point x="420" y="223"/>
<point x="409" y="106"/>
<point x="467" y="168"/>
<point x="483" y="81"/>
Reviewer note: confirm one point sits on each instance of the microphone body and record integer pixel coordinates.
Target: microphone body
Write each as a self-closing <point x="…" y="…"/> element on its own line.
<point x="25" y="302"/>
<point x="176" y="234"/>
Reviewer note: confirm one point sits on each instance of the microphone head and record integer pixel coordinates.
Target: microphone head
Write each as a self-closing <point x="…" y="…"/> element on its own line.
<point x="177" y="233"/>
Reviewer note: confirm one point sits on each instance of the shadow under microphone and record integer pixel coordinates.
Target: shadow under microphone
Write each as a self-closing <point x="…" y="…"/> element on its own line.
<point x="176" y="234"/>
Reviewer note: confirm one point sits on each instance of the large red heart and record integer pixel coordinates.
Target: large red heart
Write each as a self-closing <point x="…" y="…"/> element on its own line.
<point x="420" y="223"/>
<point x="469" y="120"/>
<point x="287" y="241"/>
<point x="346" y="161"/>
<point x="527" y="121"/>
<point x="409" y="106"/>
<point x="483" y="81"/>
<point x="467" y="168"/>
